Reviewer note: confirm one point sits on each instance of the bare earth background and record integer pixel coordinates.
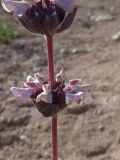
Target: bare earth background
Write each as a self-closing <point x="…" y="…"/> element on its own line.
<point x="89" y="50"/>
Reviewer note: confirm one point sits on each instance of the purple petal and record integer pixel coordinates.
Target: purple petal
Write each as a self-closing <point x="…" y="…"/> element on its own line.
<point x="41" y="78"/>
<point x="8" y="5"/>
<point x="74" y="81"/>
<point x="67" y="88"/>
<point x="23" y="93"/>
<point x="33" y="85"/>
<point x="78" y="97"/>
<point x="84" y="88"/>
<point x="70" y="89"/>
<point x="21" y="9"/>
<point x="66" y="5"/>
<point x="17" y="7"/>
<point x="69" y="98"/>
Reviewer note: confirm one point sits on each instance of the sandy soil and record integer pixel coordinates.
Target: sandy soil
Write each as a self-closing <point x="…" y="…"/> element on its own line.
<point x="90" y="131"/>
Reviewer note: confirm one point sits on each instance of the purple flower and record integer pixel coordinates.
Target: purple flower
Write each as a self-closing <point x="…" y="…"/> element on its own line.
<point x="33" y="87"/>
<point x="50" y="101"/>
<point x="22" y="93"/>
<point x="42" y="16"/>
<point x="38" y="89"/>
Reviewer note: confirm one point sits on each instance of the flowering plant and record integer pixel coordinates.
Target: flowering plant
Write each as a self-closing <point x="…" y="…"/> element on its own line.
<point x="50" y="95"/>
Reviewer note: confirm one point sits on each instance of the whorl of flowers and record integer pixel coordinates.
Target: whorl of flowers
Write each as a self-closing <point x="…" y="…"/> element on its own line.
<point x="42" y="16"/>
<point x="65" y="92"/>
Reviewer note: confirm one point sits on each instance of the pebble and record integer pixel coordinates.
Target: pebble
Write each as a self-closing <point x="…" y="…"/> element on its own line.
<point x="98" y="18"/>
<point x="116" y="36"/>
<point x="64" y="52"/>
<point x="100" y="112"/>
<point x="80" y="51"/>
<point x="101" y="127"/>
<point x="23" y="137"/>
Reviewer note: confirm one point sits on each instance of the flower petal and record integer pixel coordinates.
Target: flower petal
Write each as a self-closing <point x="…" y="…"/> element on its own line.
<point x="78" y="97"/>
<point x="74" y="81"/>
<point x="20" y="9"/>
<point x="33" y="85"/>
<point x="41" y="78"/>
<point x="30" y="78"/>
<point x="45" y="97"/>
<point x="46" y="88"/>
<point x="67" y="88"/>
<point x="8" y="5"/>
<point x="17" y="7"/>
<point x="66" y="5"/>
<point x="70" y="89"/>
<point x="84" y="88"/>
<point x="23" y="93"/>
<point x="69" y="98"/>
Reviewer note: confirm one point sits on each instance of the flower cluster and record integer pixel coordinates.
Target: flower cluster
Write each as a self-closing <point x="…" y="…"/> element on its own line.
<point x="42" y="16"/>
<point x="50" y="101"/>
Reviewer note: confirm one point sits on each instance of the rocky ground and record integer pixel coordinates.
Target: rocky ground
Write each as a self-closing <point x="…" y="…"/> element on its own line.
<point x="89" y="50"/>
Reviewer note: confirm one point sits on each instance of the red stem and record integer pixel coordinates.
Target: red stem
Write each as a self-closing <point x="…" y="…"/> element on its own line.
<point x="51" y="77"/>
<point x="54" y="139"/>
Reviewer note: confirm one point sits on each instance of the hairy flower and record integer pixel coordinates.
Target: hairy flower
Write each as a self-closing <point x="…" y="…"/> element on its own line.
<point x="50" y="101"/>
<point x="42" y="16"/>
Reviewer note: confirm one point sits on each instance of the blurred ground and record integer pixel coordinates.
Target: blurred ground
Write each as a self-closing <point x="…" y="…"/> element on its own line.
<point x="89" y="50"/>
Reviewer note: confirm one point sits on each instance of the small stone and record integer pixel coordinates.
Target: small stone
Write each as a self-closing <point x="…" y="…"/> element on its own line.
<point x="75" y="50"/>
<point x="100" y="112"/>
<point x="23" y="137"/>
<point x="116" y="36"/>
<point x="39" y="156"/>
<point x="98" y="18"/>
<point x="101" y="127"/>
<point x="79" y="51"/>
<point x="64" y="52"/>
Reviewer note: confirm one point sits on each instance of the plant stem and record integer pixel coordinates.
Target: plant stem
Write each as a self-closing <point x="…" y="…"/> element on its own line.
<point x="54" y="138"/>
<point x="51" y="77"/>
